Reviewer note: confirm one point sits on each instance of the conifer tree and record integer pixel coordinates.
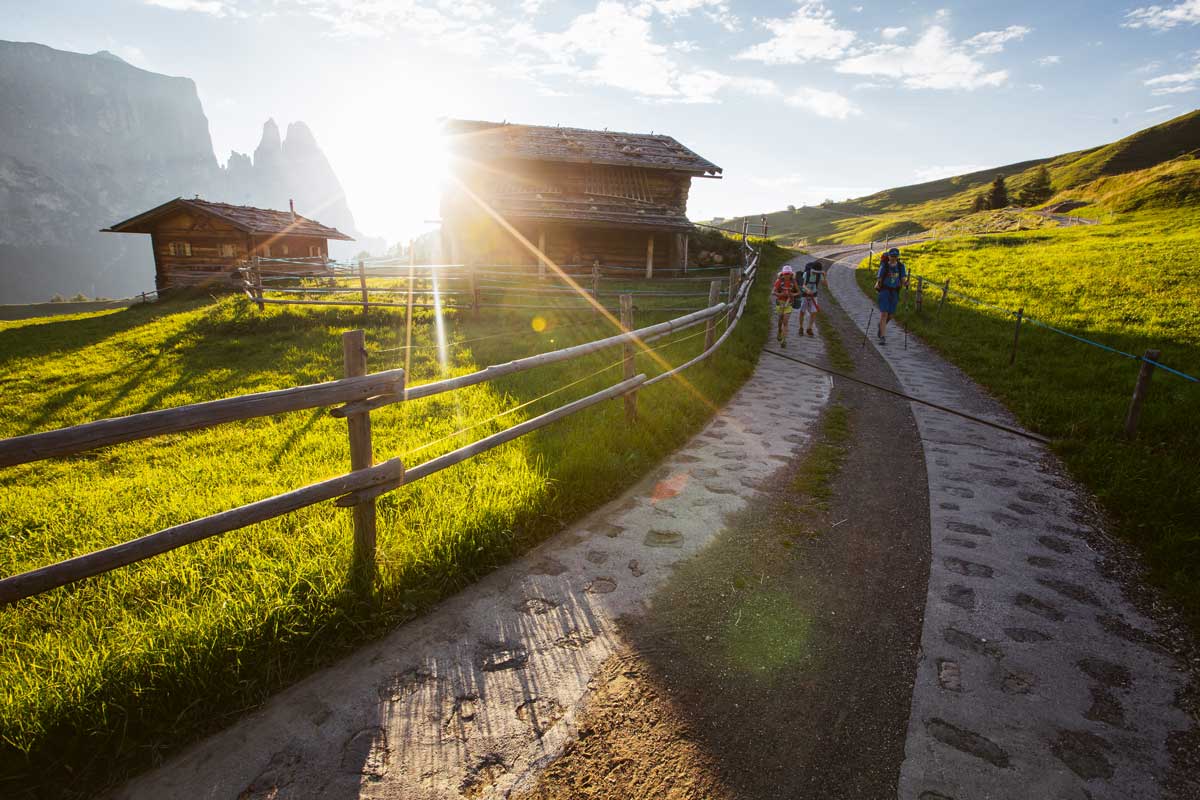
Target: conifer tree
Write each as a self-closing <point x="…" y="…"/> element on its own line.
<point x="997" y="196"/>
<point x="1038" y="190"/>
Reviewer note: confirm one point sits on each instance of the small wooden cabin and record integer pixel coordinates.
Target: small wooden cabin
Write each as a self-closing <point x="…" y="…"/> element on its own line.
<point x="579" y="196"/>
<point x="201" y="242"/>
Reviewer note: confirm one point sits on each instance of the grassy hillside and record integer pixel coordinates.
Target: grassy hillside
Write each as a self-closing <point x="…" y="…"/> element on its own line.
<point x="1130" y="283"/>
<point x="906" y="209"/>
<point x="109" y="674"/>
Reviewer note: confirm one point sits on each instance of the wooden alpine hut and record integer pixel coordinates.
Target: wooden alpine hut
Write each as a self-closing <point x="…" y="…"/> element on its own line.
<point x="199" y="242"/>
<point x="578" y="196"/>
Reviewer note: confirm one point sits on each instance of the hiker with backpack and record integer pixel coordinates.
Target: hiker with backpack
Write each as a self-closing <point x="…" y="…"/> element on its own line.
<point x="891" y="278"/>
<point x="785" y="290"/>
<point x="806" y="300"/>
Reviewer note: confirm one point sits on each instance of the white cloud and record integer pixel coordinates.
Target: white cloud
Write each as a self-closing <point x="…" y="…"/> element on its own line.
<point x="1176" y="82"/>
<point x="716" y="10"/>
<point x="934" y="173"/>
<point x="460" y="26"/>
<point x="1164" y="17"/>
<point x="218" y="8"/>
<point x="1157" y="109"/>
<point x="532" y="7"/>
<point x="990" y="42"/>
<point x="614" y="45"/>
<point x="934" y="61"/>
<point x="685" y="46"/>
<point x="892" y="33"/>
<point x="811" y="32"/>
<point x="822" y="103"/>
<point x="1047" y="61"/>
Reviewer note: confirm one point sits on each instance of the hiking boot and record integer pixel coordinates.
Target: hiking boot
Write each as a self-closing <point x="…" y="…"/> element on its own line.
<point x="882" y="341"/>
<point x="809" y="332"/>
<point x="783" y="343"/>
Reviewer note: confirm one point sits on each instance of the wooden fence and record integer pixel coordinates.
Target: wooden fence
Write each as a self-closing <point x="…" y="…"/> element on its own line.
<point x="389" y="283"/>
<point x="352" y="398"/>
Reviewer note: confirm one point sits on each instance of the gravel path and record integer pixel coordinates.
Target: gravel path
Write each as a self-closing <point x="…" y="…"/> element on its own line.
<point x="1038" y="676"/>
<point x="476" y="695"/>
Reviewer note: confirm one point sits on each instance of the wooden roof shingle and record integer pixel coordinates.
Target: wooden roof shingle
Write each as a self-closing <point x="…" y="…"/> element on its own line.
<point x="256" y="221"/>
<point x="479" y="140"/>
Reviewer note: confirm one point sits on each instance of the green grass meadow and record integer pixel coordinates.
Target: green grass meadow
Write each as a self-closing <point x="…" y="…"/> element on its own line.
<point x="109" y="675"/>
<point x="1132" y="283"/>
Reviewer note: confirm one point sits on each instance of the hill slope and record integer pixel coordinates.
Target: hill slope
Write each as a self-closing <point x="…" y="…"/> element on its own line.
<point x="907" y="209"/>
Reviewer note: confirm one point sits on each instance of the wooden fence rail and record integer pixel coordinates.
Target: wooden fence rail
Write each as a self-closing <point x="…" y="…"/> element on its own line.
<point x="353" y="398"/>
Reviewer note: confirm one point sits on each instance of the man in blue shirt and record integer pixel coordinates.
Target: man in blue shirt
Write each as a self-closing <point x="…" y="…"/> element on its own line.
<point x="891" y="278"/>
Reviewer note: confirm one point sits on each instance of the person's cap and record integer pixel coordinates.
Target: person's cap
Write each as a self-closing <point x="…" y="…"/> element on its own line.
<point x="786" y="271"/>
<point x="893" y="252"/>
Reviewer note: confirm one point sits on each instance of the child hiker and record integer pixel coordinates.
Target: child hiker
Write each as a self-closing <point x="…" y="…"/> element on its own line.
<point x="892" y="276"/>
<point x="806" y="301"/>
<point x="785" y="289"/>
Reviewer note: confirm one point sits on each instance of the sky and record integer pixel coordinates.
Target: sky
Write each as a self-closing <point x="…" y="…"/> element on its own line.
<point x="798" y="101"/>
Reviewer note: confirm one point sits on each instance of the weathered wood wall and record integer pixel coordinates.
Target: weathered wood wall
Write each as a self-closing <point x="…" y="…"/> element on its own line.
<point x="206" y="235"/>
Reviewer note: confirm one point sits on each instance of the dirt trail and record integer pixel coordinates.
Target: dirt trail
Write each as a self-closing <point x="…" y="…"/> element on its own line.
<point x="779" y="661"/>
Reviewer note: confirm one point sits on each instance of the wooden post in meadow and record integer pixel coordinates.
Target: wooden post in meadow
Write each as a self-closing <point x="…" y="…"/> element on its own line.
<point x="745" y="227"/>
<point x="596" y="285"/>
<point x="354" y="360"/>
<point x="1134" y="415"/>
<point x="920" y="293"/>
<point x="412" y="271"/>
<point x="1012" y="357"/>
<point x="362" y="284"/>
<point x="258" y="286"/>
<point x="628" y="351"/>
<point x="473" y="285"/>
<point x="650" y="256"/>
<point x="735" y="278"/>
<point x="945" y="291"/>
<point x="710" y="327"/>
<point x="686" y="238"/>
<point x="541" y="254"/>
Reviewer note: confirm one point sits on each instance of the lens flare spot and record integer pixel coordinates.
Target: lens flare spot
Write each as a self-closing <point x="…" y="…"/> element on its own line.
<point x="539" y="324"/>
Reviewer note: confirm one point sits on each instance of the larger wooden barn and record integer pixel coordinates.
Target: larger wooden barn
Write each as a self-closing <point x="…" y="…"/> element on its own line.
<point x="578" y="196"/>
<point x="200" y="242"/>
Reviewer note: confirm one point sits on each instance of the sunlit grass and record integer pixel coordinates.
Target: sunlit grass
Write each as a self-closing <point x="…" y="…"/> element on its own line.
<point x="1131" y="284"/>
<point x="105" y="676"/>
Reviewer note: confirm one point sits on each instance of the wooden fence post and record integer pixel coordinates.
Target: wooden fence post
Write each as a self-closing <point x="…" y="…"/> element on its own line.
<point x="1012" y="357"/>
<point x="628" y="350"/>
<point x="1140" y="388"/>
<point x="650" y="256"/>
<point x="686" y="239"/>
<point x="412" y="270"/>
<point x="710" y="327"/>
<point x="541" y="254"/>
<point x="745" y="225"/>
<point x="920" y="293"/>
<point x="258" y="286"/>
<point x="735" y="275"/>
<point x="945" y="291"/>
<point x="474" y="287"/>
<point x="596" y="285"/>
<point x="354" y="360"/>
<point x="362" y="284"/>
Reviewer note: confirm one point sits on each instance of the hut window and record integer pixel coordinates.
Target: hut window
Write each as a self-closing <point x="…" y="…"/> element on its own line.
<point x="266" y="248"/>
<point x="314" y="251"/>
<point x="226" y="250"/>
<point x="283" y="250"/>
<point x="179" y="248"/>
